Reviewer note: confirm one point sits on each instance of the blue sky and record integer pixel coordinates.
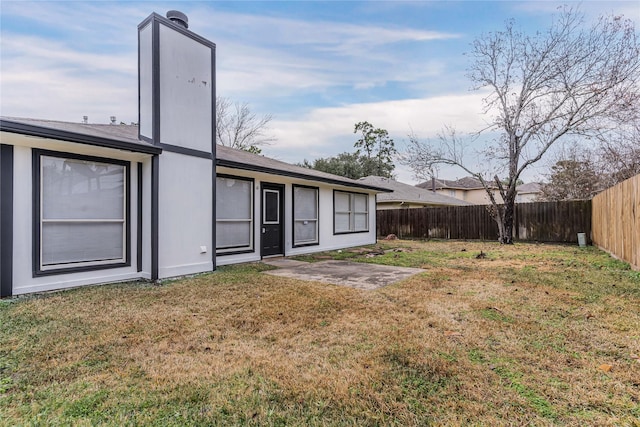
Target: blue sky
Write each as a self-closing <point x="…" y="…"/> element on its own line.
<point x="317" y="67"/>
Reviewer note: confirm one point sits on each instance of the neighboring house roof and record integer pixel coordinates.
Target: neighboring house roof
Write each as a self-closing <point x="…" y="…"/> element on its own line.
<point x="529" y="188"/>
<point x="471" y="183"/>
<point x="125" y="137"/>
<point x="410" y="194"/>
<point x="466" y="183"/>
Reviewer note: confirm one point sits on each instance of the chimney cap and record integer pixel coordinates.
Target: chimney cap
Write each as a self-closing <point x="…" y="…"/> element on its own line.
<point x="178" y="17"/>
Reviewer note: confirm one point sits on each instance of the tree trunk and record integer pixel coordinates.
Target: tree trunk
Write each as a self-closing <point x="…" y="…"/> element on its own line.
<point x="498" y="220"/>
<point x="507" y="225"/>
<point x="503" y="214"/>
<point x="506" y="219"/>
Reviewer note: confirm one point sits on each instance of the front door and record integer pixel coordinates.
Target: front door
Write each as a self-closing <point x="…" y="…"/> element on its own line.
<point x="272" y="219"/>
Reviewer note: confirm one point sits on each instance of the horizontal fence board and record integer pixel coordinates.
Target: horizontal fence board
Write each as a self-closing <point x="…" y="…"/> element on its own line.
<point x="558" y="222"/>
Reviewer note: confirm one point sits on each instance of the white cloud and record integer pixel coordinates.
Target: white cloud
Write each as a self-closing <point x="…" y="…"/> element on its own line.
<point x="46" y="79"/>
<point x="79" y="58"/>
<point x="280" y="56"/>
<point x="425" y="116"/>
<point x="24" y="52"/>
<point x="325" y="132"/>
<point x="348" y="39"/>
<point x="259" y="58"/>
<point x="64" y="97"/>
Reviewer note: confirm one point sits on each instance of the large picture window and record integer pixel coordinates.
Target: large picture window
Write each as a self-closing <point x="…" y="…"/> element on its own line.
<point x="351" y="212"/>
<point x="81" y="210"/>
<point x="234" y="214"/>
<point x="305" y="216"/>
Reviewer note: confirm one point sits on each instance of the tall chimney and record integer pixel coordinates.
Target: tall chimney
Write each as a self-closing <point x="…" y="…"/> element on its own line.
<point x="433" y="184"/>
<point x="177" y="84"/>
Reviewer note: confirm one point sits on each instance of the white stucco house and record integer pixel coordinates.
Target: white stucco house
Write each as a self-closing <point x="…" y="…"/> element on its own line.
<point x="529" y="192"/>
<point x="84" y="204"/>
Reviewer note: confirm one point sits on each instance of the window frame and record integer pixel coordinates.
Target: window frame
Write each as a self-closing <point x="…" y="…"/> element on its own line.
<point x="352" y="213"/>
<point x="235" y="250"/>
<point x="294" y="220"/>
<point x="37" y="217"/>
<point x="266" y="221"/>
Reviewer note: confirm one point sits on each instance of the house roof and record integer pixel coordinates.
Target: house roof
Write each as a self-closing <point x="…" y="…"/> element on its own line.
<point x="121" y="137"/>
<point x="239" y="159"/>
<point x="531" y="187"/>
<point x="410" y="194"/>
<point x="466" y="183"/>
<point x="125" y="137"/>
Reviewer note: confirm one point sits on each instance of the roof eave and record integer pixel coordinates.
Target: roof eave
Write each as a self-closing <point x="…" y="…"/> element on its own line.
<point x="309" y="177"/>
<point x="63" y="135"/>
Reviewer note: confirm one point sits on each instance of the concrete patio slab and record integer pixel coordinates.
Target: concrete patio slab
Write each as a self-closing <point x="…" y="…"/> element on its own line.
<point x="354" y="274"/>
<point x="282" y="262"/>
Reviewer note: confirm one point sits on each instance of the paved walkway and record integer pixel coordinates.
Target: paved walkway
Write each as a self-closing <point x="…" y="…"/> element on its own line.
<point x="354" y="274"/>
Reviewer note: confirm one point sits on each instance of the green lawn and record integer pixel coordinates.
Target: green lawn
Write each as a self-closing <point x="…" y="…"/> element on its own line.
<point x="524" y="335"/>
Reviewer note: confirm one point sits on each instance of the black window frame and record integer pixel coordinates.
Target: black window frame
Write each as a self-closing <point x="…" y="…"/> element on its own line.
<point x="37" y="154"/>
<point x="334" y="212"/>
<point x="293" y="216"/>
<point x="245" y="249"/>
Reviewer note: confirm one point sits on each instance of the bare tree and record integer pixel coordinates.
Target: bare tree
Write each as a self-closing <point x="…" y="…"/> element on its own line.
<point x="238" y="127"/>
<point x="619" y="153"/>
<point x="567" y="80"/>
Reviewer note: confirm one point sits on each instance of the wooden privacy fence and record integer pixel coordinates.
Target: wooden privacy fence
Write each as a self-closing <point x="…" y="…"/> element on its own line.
<point x="616" y="220"/>
<point x="542" y="222"/>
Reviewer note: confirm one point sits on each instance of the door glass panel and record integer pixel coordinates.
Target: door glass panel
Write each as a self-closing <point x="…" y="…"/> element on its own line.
<point x="271" y="207"/>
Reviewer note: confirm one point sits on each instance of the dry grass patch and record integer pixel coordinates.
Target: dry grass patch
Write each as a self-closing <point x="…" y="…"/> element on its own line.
<point x="515" y="338"/>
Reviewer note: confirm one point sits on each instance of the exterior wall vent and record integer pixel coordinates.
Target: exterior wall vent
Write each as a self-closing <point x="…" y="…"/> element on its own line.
<point x="178" y="17"/>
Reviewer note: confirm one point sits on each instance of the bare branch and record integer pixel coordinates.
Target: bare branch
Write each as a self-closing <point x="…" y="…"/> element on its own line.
<point x="238" y="127"/>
